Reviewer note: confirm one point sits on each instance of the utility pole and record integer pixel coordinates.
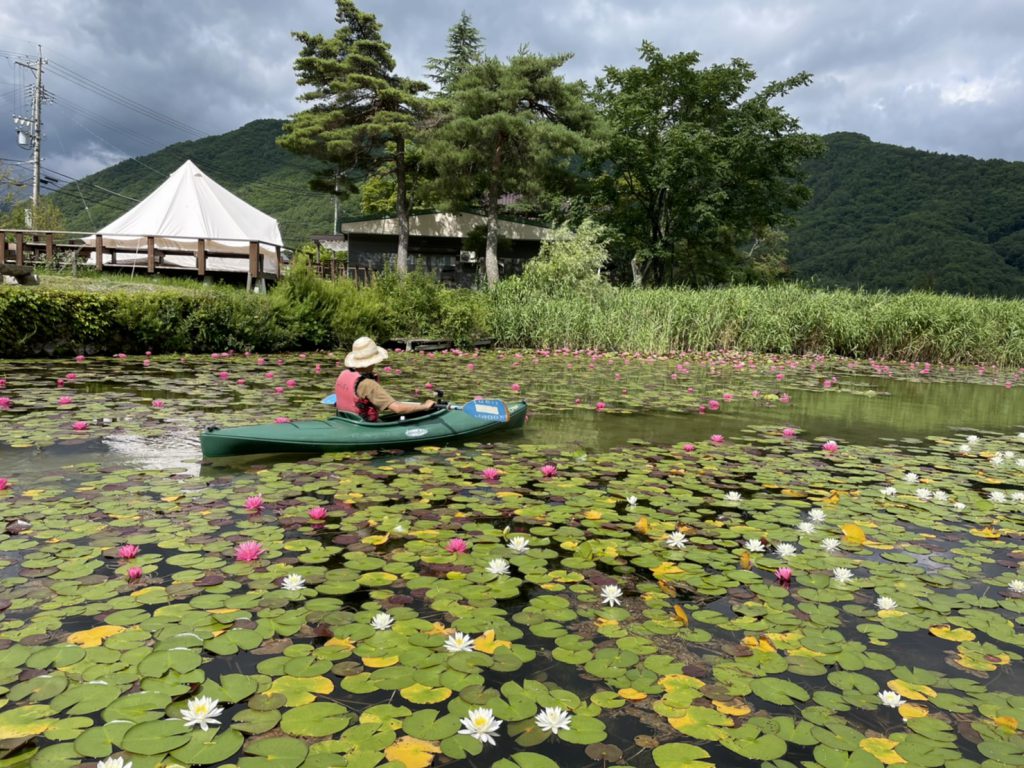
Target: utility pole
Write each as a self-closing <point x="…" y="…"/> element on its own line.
<point x="34" y="125"/>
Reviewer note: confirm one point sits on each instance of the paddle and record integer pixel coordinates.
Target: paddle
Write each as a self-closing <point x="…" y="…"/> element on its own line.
<point x="486" y="410"/>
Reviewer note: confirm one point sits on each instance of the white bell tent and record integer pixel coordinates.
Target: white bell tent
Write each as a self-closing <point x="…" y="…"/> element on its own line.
<point x="187" y="208"/>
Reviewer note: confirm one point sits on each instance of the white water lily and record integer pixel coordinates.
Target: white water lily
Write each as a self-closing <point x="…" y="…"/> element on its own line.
<point x="842" y="575"/>
<point x="398" y="529"/>
<point x="734" y="496"/>
<point x="459" y="642"/>
<point x="965" y="448"/>
<point x="1017" y="585"/>
<point x="923" y="494"/>
<point x="480" y="724"/>
<point x="519" y="544"/>
<point x="293" y="582"/>
<point x="498" y="566"/>
<point x="997" y="459"/>
<point x="889" y="490"/>
<point x="886" y="604"/>
<point x="805" y="527"/>
<point x="959" y="506"/>
<point x="891" y="699"/>
<point x="114" y="762"/>
<point x="1017" y="496"/>
<point x="911" y="477"/>
<point x="631" y="501"/>
<point x="972" y="439"/>
<point x="382" y="621"/>
<point x="754" y="545"/>
<point x="940" y="496"/>
<point x="610" y="594"/>
<point x="1019" y="462"/>
<point x="817" y="514"/>
<point x="676" y="540"/>
<point x="201" y="711"/>
<point x="785" y="550"/>
<point x="997" y="497"/>
<point x="553" y="720"/>
<point x="830" y="545"/>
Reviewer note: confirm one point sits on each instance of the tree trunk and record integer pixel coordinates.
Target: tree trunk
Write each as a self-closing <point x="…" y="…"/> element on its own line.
<point x="638" y="274"/>
<point x="491" y="251"/>
<point x="402" y="257"/>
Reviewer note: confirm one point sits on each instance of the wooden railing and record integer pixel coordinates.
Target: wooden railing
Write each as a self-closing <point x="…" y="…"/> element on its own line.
<point x="35" y="247"/>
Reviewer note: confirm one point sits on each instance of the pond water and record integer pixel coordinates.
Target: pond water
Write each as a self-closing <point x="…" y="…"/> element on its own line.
<point x="623" y="567"/>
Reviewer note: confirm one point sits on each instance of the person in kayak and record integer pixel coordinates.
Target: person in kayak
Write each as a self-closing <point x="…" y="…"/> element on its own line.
<point x="358" y="391"/>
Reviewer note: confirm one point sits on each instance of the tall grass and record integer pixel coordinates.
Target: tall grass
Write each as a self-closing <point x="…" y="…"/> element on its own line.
<point x="781" y="318"/>
<point x="305" y="312"/>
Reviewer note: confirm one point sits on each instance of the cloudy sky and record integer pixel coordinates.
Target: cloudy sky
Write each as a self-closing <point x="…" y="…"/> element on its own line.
<point x="127" y="77"/>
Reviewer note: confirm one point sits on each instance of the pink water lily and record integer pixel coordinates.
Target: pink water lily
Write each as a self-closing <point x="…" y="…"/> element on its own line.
<point x="830" y="445"/>
<point x="5" y="403"/>
<point x="134" y="573"/>
<point x="789" y="432"/>
<point x="248" y="551"/>
<point x="282" y="420"/>
<point x="64" y="400"/>
<point x="4" y="483"/>
<point x="254" y="503"/>
<point x="72" y="376"/>
<point x="316" y="368"/>
<point x="128" y="551"/>
<point x="783" y="398"/>
<point x="3" y="383"/>
<point x="601" y="406"/>
<point x="224" y="375"/>
<point x="79" y="426"/>
<point x="717" y="439"/>
<point x="713" y="405"/>
<point x="784" y="576"/>
<point x="491" y="473"/>
<point x="456" y="546"/>
<point x="290" y="383"/>
<point x="317" y="513"/>
<point x="689" y="447"/>
<point x="516" y="387"/>
<point x="278" y="390"/>
<point x="79" y="358"/>
<point x="549" y="470"/>
<point x="157" y="403"/>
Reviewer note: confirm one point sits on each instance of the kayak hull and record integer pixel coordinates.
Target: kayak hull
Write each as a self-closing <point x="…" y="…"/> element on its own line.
<point x="340" y="433"/>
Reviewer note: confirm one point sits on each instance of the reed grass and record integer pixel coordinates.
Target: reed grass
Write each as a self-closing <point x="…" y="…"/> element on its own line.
<point x="787" y="318"/>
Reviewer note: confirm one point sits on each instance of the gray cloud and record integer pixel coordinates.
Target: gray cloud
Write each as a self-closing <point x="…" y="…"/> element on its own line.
<point x="937" y="74"/>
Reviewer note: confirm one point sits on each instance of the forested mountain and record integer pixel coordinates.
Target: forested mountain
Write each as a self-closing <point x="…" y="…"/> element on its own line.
<point x="887" y="217"/>
<point x="881" y="216"/>
<point x="245" y="161"/>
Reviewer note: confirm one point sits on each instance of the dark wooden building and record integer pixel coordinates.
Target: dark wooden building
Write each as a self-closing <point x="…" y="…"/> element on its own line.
<point x="451" y="245"/>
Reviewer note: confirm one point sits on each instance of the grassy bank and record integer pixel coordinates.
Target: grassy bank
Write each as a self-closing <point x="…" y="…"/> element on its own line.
<point x="60" y="318"/>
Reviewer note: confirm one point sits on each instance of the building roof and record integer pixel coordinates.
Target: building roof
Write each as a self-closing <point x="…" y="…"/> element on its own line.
<point x="444" y="225"/>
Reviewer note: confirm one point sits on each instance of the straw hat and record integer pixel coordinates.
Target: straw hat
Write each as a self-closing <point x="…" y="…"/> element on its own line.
<point x="365" y="353"/>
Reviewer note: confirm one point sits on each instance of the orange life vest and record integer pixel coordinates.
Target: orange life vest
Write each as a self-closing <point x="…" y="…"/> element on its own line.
<point x="347" y="401"/>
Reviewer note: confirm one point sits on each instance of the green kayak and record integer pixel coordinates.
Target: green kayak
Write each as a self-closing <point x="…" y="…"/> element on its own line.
<point x="350" y="433"/>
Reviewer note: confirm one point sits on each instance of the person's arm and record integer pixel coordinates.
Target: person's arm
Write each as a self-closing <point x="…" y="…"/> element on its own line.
<point x="376" y="394"/>
<point x="403" y="409"/>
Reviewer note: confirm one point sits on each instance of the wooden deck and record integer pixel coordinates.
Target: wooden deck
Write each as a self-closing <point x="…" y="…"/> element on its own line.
<point x="21" y="247"/>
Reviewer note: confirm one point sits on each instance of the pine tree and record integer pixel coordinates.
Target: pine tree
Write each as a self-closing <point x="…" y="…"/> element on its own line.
<point x="465" y="50"/>
<point x="509" y="127"/>
<point x="362" y="114"/>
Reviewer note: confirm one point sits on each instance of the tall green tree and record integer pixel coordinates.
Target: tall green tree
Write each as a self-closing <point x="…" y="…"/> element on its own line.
<point x="465" y="50"/>
<point x="693" y="164"/>
<point x="362" y="114"/>
<point x="510" y="127"/>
